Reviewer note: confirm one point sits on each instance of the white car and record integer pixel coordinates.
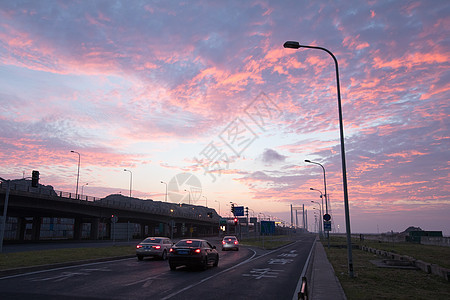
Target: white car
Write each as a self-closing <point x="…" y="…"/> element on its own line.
<point x="230" y="242"/>
<point x="154" y="247"/>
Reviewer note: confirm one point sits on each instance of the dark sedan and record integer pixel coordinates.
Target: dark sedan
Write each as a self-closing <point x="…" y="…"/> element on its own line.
<point x="193" y="253"/>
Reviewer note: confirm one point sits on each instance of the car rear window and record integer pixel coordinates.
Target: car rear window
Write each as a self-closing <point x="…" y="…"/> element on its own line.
<point x="188" y="243"/>
<point x="151" y="240"/>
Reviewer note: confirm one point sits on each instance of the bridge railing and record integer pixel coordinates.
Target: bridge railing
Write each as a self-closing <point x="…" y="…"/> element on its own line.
<point x="44" y="190"/>
<point x="185" y="211"/>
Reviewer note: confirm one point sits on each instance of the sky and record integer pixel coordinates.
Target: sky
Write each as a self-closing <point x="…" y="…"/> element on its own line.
<point x="201" y="96"/>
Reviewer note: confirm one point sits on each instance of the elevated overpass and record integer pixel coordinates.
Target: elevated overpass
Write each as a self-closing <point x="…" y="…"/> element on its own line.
<point x="33" y="213"/>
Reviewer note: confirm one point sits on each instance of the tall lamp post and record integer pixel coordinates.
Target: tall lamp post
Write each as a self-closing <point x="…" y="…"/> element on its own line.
<point x="320" y="218"/>
<point x="166" y="188"/>
<point x="219" y="205"/>
<point x="82" y="189"/>
<point x="131" y="179"/>
<point x="321" y="196"/>
<point x="263" y="215"/>
<point x="189" y="195"/>
<point x="324" y="183"/>
<point x="78" y="175"/>
<point x="206" y="200"/>
<point x="296" y="45"/>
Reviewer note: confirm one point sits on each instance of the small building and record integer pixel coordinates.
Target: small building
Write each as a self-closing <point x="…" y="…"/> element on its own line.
<point x="415" y="235"/>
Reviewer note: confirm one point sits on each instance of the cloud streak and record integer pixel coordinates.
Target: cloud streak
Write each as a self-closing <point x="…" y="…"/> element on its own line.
<point x="150" y="84"/>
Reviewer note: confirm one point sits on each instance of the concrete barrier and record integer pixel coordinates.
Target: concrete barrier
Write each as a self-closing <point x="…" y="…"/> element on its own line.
<point x="421" y="265"/>
<point x="440" y="271"/>
<point x="424" y="266"/>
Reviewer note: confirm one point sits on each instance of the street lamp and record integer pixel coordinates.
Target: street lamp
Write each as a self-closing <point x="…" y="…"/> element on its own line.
<point x="322" y="218"/>
<point x="166" y="188"/>
<point x="82" y="189"/>
<point x="262" y="214"/>
<point x="131" y="179"/>
<point x="189" y="195"/>
<point x="219" y="205"/>
<point x="321" y="214"/>
<point x="324" y="183"/>
<point x="296" y="45"/>
<point x="206" y="200"/>
<point x="78" y="175"/>
<point x="321" y="195"/>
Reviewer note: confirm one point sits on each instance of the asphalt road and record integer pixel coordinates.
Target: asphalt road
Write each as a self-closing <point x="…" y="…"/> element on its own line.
<point x="245" y="274"/>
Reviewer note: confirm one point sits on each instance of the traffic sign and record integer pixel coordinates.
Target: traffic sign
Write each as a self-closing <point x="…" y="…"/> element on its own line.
<point x="327" y="225"/>
<point x="327" y="217"/>
<point x="267" y="227"/>
<point x="239" y="211"/>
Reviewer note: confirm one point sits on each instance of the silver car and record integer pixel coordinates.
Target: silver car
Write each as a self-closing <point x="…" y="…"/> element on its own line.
<point x="155" y="247"/>
<point x="230" y="242"/>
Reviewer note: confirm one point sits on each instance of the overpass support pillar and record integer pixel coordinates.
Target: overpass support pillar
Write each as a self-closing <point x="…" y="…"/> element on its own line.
<point x="36" y="229"/>
<point x="144" y="230"/>
<point x="22" y="225"/>
<point x="94" y="228"/>
<point x="77" y="227"/>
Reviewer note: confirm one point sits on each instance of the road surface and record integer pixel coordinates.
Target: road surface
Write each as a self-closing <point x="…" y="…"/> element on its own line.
<point x="250" y="273"/>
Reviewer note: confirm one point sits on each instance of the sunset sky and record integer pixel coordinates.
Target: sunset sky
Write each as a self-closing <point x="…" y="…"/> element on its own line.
<point x="162" y="88"/>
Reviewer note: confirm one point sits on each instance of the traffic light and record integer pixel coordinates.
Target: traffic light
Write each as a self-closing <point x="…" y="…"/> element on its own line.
<point x="232" y="208"/>
<point x="35" y="178"/>
<point x="246" y="211"/>
<point x="235" y="221"/>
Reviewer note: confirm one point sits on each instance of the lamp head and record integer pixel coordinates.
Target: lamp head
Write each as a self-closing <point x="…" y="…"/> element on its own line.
<point x="291" y="44"/>
<point x="311" y="189"/>
<point x="307" y="160"/>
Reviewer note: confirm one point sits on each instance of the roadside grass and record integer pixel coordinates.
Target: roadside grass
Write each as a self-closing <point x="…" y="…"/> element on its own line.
<point x="268" y="242"/>
<point x="438" y="255"/>
<point x="372" y="282"/>
<point x="44" y="257"/>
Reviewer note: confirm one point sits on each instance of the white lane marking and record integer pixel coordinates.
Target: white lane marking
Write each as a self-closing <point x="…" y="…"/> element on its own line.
<point x="210" y="277"/>
<point x="149" y="279"/>
<point x="226" y="270"/>
<point x="62" y="268"/>
<point x="263" y="273"/>
<point x="279" y="261"/>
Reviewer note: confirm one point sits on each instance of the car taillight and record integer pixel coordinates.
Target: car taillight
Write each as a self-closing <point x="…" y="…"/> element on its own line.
<point x="171" y="250"/>
<point x="198" y="250"/>
<point x="157" y="247"/>
<point x="138" y="246"/>
<point x="235" y="242"/>
<point x="223" y="243"/>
